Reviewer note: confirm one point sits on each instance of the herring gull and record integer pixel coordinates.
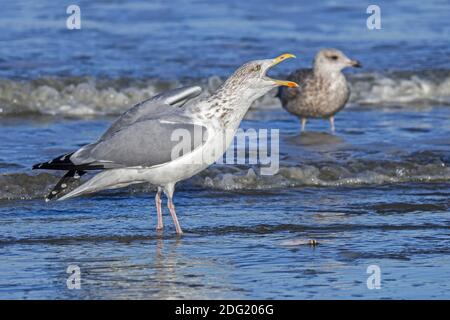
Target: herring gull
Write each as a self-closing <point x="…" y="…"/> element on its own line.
<point x="139" y="146"/>
<point x="323" y="91"/>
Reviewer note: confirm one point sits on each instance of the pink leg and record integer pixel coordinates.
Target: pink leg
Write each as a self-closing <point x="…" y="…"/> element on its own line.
<point x="159" y="209"/>
<point x="174" y="216"/>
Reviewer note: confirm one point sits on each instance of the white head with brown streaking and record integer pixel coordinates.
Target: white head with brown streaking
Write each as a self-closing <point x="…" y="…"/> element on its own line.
<point x="328" y="61"/>
<point x="248" y="83"/>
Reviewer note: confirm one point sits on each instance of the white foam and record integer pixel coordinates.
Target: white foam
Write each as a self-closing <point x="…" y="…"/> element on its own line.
<point x="88" y="97"/>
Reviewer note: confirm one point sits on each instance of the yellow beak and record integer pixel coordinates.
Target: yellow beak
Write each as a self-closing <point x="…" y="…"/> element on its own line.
<point x="276" y="61"/>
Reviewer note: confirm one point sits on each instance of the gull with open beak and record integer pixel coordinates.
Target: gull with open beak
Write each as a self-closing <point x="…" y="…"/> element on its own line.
<point x="143" y="145"/>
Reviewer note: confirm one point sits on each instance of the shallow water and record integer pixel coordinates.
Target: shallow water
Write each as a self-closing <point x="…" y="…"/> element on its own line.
<point x="365" y="199"/>
<point x="377" y="192"/>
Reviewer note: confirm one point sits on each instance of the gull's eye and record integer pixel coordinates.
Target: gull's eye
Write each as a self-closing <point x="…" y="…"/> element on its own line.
<point x="257" y="67"/>
<point x="334" y="57"/>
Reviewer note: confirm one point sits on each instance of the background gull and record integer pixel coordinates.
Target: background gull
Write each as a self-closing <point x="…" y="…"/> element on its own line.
<point x="138" y="147"/>
<point x="323" y="90"/>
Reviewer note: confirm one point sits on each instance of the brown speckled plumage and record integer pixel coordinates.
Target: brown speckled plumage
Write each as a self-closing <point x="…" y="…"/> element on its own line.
<point x="323" y="91"/>
<point x="317" y="96"/>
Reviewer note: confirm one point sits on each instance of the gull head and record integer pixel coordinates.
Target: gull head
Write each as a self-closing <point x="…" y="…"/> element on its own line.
<point x="251" y="79"/>
<point x="333" y="60"/>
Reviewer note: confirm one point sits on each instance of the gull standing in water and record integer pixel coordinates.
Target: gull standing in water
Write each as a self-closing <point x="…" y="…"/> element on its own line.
<point x="139" y="146"/>
<point x="323" y="90"/>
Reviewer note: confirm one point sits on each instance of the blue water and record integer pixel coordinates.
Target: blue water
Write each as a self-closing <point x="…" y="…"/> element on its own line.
<point x="178" y="39"/>
<point x="377" y="192"/>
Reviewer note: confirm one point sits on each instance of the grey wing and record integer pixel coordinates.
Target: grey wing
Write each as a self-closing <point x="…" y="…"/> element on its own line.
<point x="145" y="143"/>
<point x="157" y="106"/>
<point x="301" y="77"/>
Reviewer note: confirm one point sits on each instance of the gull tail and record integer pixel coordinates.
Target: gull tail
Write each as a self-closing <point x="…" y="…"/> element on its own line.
<point x="62" y="162"/>
<point x="69" y="178"/>
<point x="109" y="179"/>
<point x="74" y="172"/>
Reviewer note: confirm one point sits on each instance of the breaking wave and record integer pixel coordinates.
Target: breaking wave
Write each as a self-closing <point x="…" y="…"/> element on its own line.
<point x="402" y="88"/>
<point x="85" y="96"/>
<point x="355" y="173"/>
<point x="15" y="186"/>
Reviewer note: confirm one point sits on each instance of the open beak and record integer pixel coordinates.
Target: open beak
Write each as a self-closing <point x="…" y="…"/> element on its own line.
<point x="276" y="61"/>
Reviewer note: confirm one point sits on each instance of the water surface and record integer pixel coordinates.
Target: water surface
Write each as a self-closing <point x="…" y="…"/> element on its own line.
<point x="377" y="192"/>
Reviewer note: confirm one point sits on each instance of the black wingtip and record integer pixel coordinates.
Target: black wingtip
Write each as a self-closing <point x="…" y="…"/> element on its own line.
<point x="70" y="177"/>
<point x="59" y="163"/>
<point x="37" y="166"/>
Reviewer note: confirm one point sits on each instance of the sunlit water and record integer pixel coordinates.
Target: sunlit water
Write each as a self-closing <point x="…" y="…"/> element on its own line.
<point x="377" y="192"/>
